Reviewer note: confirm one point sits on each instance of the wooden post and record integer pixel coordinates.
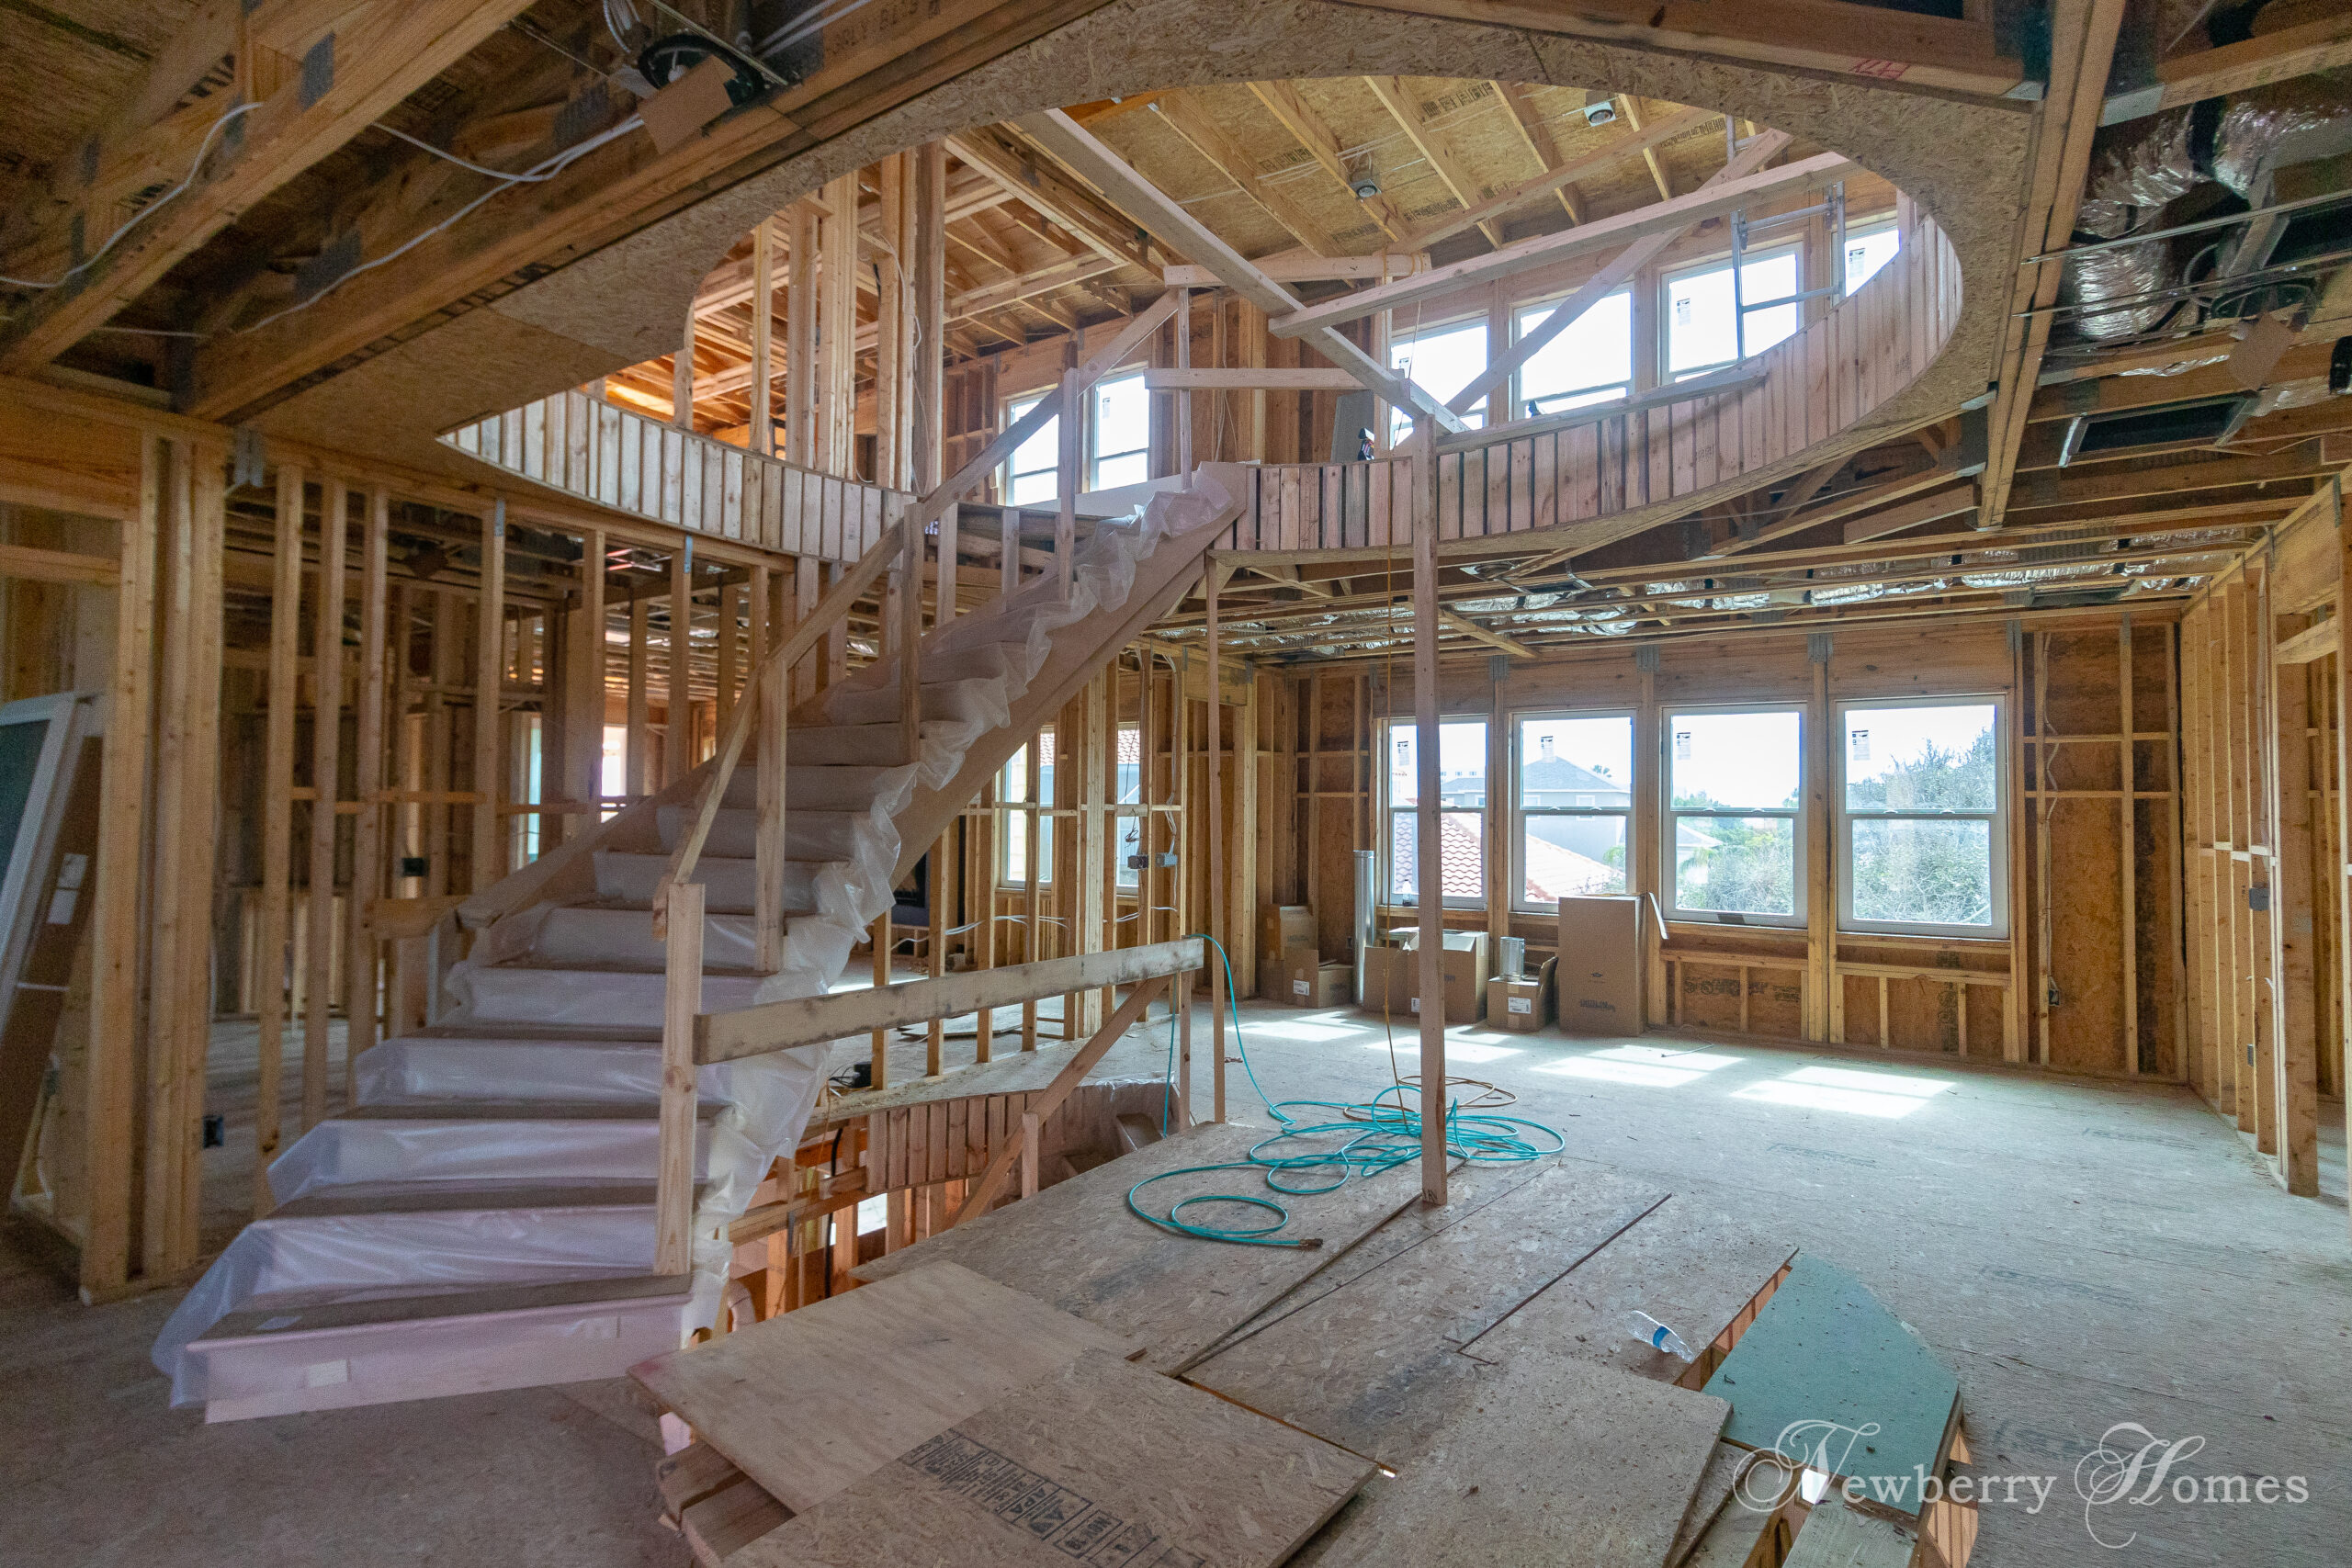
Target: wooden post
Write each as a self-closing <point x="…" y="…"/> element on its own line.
<point x="763" y="431"/>
<point x="640" y="723"/>
<point x="800" y="338"/>
<point x="277" y="822"/>
<point x="944" y="584"/>
<point x="879" y="1073"/>
<point x="1821" y="913"/>
<point x="489" y="647"/>
<point x="1429" y="883"/>
<point x="931" y="322"/>
<point x="1068" y="475"/>
<point x="2127" y="821"/>
<point x="682" y="376"/>
<point x="674" y="1194"/>
<point x="585" y="734"/>
<point x="2294" y="1089"/>
<point x="367" y="784"/>
<point x="892" y="321"/>
<point x="726" y="656"/>
<point x="678" y="696"/>
<point x="837" y="333"/>
<point x="909" y="635"/>
<point x="937" y="946"/>
<point x="1184" y="397"/>
<point x="1032" y="916"/>
<point x="2016" y="1008"/>
<point x="326" y="766"/>
<point x="1220" y="983"/>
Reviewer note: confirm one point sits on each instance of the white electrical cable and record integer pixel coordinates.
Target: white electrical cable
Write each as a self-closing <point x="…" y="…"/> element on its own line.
<point x="453" y="158"/>
<point x="507" y="181"/>
<point x="203" y="148"/>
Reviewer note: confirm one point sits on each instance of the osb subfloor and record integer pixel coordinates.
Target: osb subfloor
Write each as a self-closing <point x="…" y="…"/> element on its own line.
<point x="2083" y="1254"/>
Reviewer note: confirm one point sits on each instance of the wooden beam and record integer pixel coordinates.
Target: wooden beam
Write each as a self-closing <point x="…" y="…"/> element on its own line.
<point x="326" y="754"/>
<point x="1536" y="137"/>
<point x="1632" y="108"/>
<point x="2310" y="645"/>
<point x="2322" y="45"/>
<point x="1107" y="230"/>
<point x="1027" y="285"/>
<point x="1560" y="178"/>
<point x="359" y="988"/>
<point x="353" y="71"/>
<point x="1429" y="855"/>
<point x="1271" y="380"/>
<point x="1298" y="266"/>
<point x="1432" y="143"/>
<point x="490" y="664"/>
<point x="1810" y="174"/>
<point x="1208" y="136"/>
<point x="1926" y="509"/>
<point x="1477" y="633"/>
<point x="29" y="563"/>
<point x="1848" y="503"/>
<point x="1284" y="101"/>
<point x="1062" y="135"/>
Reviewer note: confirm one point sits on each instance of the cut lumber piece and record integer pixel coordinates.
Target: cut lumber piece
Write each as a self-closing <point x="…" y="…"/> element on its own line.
<point x="1561" y="1462"/>
<point x="1836" y="1536"/>
<point x="1724" y="1466"/>
<point x="1078" y="1244"/>
<point x="1825" y="1350"/>
<point x="1685" y="1265"/>
<point x="1097" y="1462"/>
<point x="807" y="1403"/>
<point x="1374" y="1363"/>
<point x="718" y="1526"/>
<point x="694" y="1473"/>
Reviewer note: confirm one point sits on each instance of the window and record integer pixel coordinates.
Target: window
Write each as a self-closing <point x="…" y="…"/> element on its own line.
<point x="1012" y="842"/>
<point x="1032" y="473"/>
<point x="1867" y="249"/>
<point x="1462" y="819"/>
<point x="1444" y="360"/>
<point x="1130" y="782"/>
<point x="1590" y="362"/>
<point x="1733" y="784"/>
<point x="1920" y="827"/>
<point x="1700" y="315"/>
<point x="1119" y="433"/>
<point x="1575" y="774"/>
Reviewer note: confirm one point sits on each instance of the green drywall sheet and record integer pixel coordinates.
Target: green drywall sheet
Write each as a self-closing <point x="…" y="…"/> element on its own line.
<point x="1825" y="1352"/>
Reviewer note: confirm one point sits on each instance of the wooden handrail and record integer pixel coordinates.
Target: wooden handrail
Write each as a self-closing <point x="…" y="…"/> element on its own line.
<point x="833" y="607"/>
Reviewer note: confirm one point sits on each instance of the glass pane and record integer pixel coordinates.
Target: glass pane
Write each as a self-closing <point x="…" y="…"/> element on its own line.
<point x="1443" y="361"/>
<point x="1743" y="865"/>
<point x="1733" y="759"/>
<point x="1462" y="842"/>
<point x="1035" y="460"/>
<point x="1461" y="763"/>
<point x="1013" y="782"/>
<point x="1924" y="873"/>
<point x="1865" y="254"/>
<point x="1575" y="764"/>
<point x="1130" y="765"/>
<point x="1122" y="416"/>
<point x="1596" y="350"/>
<point x="1125" y="845"/>
<point x="1700" y="312"/>
<point x="1565" y="857"/>
<point x="1132" y="468"/>
<point x="1923" y="758"/>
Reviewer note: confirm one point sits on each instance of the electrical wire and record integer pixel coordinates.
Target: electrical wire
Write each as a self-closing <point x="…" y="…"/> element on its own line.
<point x="448" y="157"/>
<point x="203" y="148"/>
<point x="1374" y="1135"/>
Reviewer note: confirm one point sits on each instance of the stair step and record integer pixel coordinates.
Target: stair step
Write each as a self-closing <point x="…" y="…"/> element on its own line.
<point x="559" y="997"/>
<point x="728" y="881"/>
<point x="963" y="700"/>
<point x="1136" y="1130"/>
<point x="816" y="835"/>
<point x="275" y="1360"/>
<point x="823" y="788"/>
<point x="603" y="1072"/>
<point x="414" y="1197"/>
<point x="841" y="746"/>
<point x="623" y="938"/>
<point x="478" y="1141"/>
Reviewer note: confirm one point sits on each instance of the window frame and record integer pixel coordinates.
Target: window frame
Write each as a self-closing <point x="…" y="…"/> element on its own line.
<point x="1095" y="457"/>
<point x="1520" y="812"/>
<point x="1388" y="810"/>
<point x="1720" y="261"/>
<point x="1008" y="809"/>
<point x="1883" y="223"/>
<point x="1475" y="418"/>
<point x="1592" y="394"/>
<point x="1669" y="816"/>
<point x="1008" y="478"/>
<point x="1998" y="817"/>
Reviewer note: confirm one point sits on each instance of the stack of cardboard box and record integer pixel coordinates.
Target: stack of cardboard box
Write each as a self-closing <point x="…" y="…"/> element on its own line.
<point x="1290" y="966"/>
<point x="1392" y="975"/>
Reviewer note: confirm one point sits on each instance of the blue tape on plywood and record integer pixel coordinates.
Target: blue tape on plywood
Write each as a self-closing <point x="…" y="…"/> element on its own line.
<point x="1829" y="1377"/>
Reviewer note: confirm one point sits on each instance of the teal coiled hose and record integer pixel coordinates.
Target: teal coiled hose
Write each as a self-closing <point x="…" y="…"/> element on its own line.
<point x="1312" y="1156"/>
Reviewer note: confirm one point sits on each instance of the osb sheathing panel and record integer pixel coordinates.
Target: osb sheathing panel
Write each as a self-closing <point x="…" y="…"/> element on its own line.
<point x="1964" y="165"/>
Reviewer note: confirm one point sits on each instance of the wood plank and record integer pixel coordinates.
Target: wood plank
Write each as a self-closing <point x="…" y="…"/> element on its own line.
<point x="1837" y="1536"/>
<point x="808" y="1403"/>
<point x="1076" y="1243"/>
<point x="1097" y="1462"/>
<point x="1556" y="1460"/>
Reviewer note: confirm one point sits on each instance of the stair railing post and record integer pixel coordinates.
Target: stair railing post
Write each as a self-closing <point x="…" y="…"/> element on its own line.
<point x="909" y="633"/>
<point x="768" y="847"/>
<point x="674" y="1194"/>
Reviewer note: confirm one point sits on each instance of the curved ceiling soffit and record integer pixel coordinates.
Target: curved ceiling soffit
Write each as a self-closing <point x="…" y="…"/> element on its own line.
<point x="621" y="305"/>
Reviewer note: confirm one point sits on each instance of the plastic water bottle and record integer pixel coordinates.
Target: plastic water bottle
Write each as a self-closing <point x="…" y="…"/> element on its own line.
<point x="1656" y="1334"/>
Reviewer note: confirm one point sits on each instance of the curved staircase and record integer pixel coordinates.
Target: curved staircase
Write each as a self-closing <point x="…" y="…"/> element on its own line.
<point x="483" y="1217"/>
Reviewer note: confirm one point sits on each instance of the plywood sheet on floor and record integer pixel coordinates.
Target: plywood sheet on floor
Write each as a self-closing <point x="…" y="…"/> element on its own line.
<point x="1079" y="1248"/>
<point x="807" y="1403"/>
<point x="1689" y="1266"/>
<point x="1835" y="1536"/>
<point x="1824" y="1349"/>
<point x="1101" y="1463"/>
<point x="1562" y="1461"/>
<point x="1373" y="1364"/>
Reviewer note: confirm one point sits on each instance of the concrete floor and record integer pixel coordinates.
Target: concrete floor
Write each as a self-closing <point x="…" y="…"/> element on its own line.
<point x="2083" y="1254"/>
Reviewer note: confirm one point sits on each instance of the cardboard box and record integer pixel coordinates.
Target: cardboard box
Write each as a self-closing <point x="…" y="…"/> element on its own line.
<point x="1598" y="977"/>
<point x="1524" y="1005"/>
<point x="1392" y="977"/>
<point x="1273" y="980"/>
<point x="1313" y="984"/>
<point x="1287" y="934"/>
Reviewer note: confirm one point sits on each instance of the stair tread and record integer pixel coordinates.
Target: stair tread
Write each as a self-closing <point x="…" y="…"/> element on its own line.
<point x="536" y="1034"/>
<point x="326" y="1317"/>
<point x="511" y="1110"/>
<point x="458" y="1196"/>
